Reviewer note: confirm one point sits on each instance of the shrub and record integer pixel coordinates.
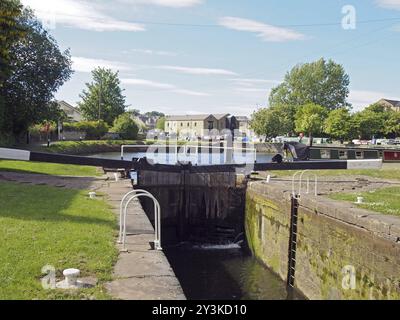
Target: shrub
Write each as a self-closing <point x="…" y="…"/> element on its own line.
<point x="94" y="130"/>
<point x="126" y="127"/>
<point x="6" y="140"/>
<point x="161" y="124"/>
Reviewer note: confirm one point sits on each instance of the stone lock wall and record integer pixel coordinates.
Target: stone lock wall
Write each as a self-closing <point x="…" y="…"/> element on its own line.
<point x="332" y="240"/>
<point x="205" y="207"/>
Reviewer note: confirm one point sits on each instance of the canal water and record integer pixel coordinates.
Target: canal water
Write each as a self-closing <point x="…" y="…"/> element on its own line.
<point x="224" y="273"/>
<point x="204" y="159"/>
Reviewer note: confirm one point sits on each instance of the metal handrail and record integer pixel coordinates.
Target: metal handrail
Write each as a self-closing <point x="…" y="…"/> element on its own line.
<point x="157" y="216"/>
<point x="308" y="182"/>
<point x="301" y="183"/>
<point x="293" y="183"/>
<point x="121" y="211"/>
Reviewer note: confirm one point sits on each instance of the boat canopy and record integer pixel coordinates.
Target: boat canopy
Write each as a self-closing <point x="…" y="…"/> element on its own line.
<point x="299" y="151"/>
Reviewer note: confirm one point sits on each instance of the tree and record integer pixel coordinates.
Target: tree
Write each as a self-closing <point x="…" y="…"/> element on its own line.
<point x="322" y="82"/>
<point x="103" y="99"/>
<point x="392" y="124"/>
<point x="135" y="112"/>
<point x="11" y="31"/>
<point x="38" y="69"/>
<point x="369" y="123"/>
<point x="93" y="130"/>
<point x="310" y="119"/>
<point x="337" y="124"/>
<point x="273" y="121"/>
<point x="160" y="125"/>
<point x="373" y="121"/>
<point x="155" y="114"/>
<point x="126" y="127"/>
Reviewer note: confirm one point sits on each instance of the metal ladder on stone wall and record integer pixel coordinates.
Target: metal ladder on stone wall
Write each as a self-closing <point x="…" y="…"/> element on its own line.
<point x="294" y="217"/>
<point x="293" y="242"/>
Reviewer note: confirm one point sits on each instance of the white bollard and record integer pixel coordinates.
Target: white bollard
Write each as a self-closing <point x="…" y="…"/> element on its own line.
<point x="92" y="195"/>
<point x="71" y="277"/>
<point x="360" y="200"/>
<point x="116" y="177"/>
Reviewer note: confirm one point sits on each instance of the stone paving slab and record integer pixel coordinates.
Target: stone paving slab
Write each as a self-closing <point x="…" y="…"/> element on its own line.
<point x="140" y="273"/>
<point x="385" y="226"/>
<point x="146" y="288"/>
<point x="148" y="263"/>
<point x="333" y="184"/>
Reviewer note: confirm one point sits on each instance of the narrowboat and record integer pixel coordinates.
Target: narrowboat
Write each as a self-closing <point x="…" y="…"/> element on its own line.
<point x="354" y="153"/>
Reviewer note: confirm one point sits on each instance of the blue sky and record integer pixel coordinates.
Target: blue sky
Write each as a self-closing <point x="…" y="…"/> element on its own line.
<point x="216" y="56"/>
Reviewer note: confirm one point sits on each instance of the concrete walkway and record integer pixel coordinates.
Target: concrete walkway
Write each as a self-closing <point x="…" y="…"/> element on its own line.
<point x="140" y="273"/>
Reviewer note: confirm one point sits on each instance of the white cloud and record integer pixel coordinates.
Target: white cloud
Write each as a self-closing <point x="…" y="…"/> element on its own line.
<point x="152" y="52"/>
<point x="361" y="99"/>
<point x="191" y="93"/>
<point x="250" y="82"/>
<point x="253" y="90"/>
<point x="147" y="83"/>
<point x="160" y="85"/>
<point x="166" y="3"/>
<point x="264" y="31"/>
<point x="81" y="64"/>
<point x="199" y="71"/>
<point x="390" y="4"/>
<point x="78" y="14"/>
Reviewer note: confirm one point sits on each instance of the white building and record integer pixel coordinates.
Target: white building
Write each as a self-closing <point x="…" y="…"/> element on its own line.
<point x="72" y="112"/>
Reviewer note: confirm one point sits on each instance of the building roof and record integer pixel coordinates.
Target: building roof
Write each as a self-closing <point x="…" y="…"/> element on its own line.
<point x="221" y="116"/>
<point x="394" y="103"/>
<point x="64" y="104"/>
<point x="199" y="117"/>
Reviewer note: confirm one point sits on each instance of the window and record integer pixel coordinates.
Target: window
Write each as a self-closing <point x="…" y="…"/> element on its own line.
<point x="181" y="124"/>
<point x="359" y="155"/>
<point x="325" y="154"/>
<point x="210" y="125"/>
<point x="342" y="154"/>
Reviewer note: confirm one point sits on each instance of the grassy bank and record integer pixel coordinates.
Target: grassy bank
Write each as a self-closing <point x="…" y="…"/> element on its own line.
<point x="87" y="147"/>
<point x="387" y="172"/>
<point x="48" y="168"/>
<point x="99" y="146"/>
<point x="57" y="227"/>
<point x="386" y="201"/>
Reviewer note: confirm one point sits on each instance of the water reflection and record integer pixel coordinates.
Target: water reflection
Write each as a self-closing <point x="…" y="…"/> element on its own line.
<point x="231" y="274"/>
<point x="203" y="159"/>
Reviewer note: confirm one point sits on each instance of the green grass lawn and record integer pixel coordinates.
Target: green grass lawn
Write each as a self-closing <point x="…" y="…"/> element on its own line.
<point x="392" y="172"/>
<point x="48" y="168"/>
<point x="41" y="225"/>
<point x="386" y="201"/>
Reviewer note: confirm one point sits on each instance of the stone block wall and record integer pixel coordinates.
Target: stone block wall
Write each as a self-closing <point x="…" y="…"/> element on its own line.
<point x="334" y="239"/>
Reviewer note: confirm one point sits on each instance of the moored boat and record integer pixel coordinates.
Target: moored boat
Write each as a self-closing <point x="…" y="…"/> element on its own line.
<point x="354" y="153"/>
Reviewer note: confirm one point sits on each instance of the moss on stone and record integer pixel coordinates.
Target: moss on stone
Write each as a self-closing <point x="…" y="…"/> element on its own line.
<point x="325" y="247"/>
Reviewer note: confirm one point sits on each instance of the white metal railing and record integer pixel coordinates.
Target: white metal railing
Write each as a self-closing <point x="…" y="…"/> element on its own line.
<point x="183" y="149"/>
<point x="124" y="205"/>
<point x="302" y="173"/>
